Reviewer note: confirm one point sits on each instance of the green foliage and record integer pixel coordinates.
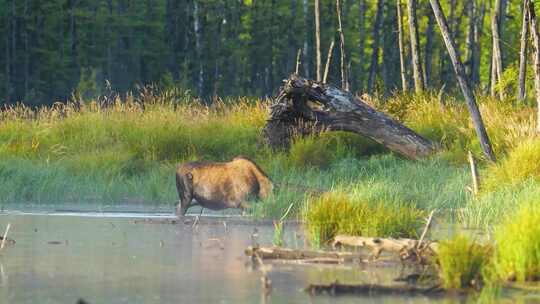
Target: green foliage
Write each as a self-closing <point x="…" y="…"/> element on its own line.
<point x="240" y="47"/>
<point x="462" y="262"/>
<point x="517" y="254"/>
<point x="336" y="213"/>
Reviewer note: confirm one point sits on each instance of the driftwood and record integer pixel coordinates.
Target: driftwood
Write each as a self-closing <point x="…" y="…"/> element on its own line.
<point x="314" y="256"/>
<point x="304" y="106"/>
<point x="371" y="289"/>
<point x="406" y="248"/>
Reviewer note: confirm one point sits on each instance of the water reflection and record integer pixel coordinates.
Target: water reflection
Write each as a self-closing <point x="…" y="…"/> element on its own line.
<point x="59" y="259"/>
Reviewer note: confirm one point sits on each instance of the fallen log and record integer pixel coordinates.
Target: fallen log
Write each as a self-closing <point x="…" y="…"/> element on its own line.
<point x="305" y="106"/>
<point x="405" y="248"/>
<point x="316" y="256"/>
<point x="371" y="289"/>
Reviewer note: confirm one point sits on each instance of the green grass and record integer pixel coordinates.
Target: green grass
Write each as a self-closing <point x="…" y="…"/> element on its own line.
<point x="521" y="164"/>
<point x="336" y="213"/>
<point x="462" y="262"/>
<point x="91" y="154"/>
<point x="517" y="254"/>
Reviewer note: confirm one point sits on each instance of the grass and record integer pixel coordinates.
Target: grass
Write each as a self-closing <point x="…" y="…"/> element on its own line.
<point x="462" y="262"/>
<point x="517" y="254"/>
<point x="521" y="164"/>
<point x="336" y="213"/>
<point x="114" y="150"/>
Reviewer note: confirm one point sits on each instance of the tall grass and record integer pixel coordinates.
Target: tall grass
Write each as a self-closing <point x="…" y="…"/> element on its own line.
<point x="462" y="262"/>
<point x="124" y="149"/>
<point x="517" y="255"/>
<point x="336" y="213"/>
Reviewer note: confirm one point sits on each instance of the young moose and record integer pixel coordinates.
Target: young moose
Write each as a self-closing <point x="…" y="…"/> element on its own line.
<point x="218" y="186"/>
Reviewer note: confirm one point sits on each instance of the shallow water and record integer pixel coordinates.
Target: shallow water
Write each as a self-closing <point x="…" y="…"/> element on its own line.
<point x="123" y="258"/>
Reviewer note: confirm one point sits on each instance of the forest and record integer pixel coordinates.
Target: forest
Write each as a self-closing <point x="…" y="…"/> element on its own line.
<point x="53" y="49"/>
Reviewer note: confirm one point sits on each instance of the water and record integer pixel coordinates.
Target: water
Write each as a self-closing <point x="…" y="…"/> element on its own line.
<point x="153" y="258"/>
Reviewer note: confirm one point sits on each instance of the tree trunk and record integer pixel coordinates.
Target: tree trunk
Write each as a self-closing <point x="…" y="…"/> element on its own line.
<point x="305" y="49"/>
<point x="536" y="46"/>
<point x="304" y="106"/>
<point x="428" y="54"/>
<point x="497" y="55"/>
<point x="375" y="46"/>
<point x="198" y="50"/>
<point x="401" y="48"/>
<point x="415" y="47"/>
<point x="318" y="38"/>
<point x="523" y="51"/>
<point x="469" y="50"/>
<point x="478" y="31"/>
<point x="361" y="43"/>
<point x="344" y="77"/>
<point x="460" y="74"/>
<point x="328" y="61"/>
<point x="8" y="60"/>
<point x="109" y="42"/>
<point x="26" y="48"/>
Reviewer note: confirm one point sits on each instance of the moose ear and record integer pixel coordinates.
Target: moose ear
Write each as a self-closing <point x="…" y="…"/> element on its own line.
<point x="189" y="175"/>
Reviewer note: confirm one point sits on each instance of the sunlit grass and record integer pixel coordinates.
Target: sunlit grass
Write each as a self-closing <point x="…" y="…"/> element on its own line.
<point x="116" y="149"/>
<point x="517" y="254"/>
<point x="336" y="213"/>
<point x="461" y="262"/>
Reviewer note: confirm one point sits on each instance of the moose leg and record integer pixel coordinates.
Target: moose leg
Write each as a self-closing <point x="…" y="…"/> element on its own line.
<point x="243" y="206"/>
<point x="183" y="204"/>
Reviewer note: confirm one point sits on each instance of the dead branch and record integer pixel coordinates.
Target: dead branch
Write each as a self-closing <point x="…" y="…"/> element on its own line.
<point x="370" y="289"/>
<point x="405" y="248"/>
<point x="279" y="253"/>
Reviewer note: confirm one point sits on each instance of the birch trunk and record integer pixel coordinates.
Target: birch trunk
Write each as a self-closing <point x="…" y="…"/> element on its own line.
<point x="375" y="46"/>
<point x="536" y="46"/>
<point x="318" y="38"/>
<point x="523" y="51"/>
<point x="415" y="48"/>
<point x="478" y="31"/>
<point x="8" y="60"/>
<point x="428" y="54"/>
<point x="361" y="43"/>
<point x="401" y="48"/>
<point x="344" y="78"/>
<point x="197" y="30"/>
<point x="497" y="56"/>
<point x="469" y="51"/>
<point x="461" y="77"/>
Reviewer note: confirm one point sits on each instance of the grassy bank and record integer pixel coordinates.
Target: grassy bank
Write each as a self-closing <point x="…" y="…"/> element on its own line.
<point x="125" y="152"/>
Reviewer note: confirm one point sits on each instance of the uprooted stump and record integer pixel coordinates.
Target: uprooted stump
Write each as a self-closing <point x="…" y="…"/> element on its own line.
<point x="305" y="106"/>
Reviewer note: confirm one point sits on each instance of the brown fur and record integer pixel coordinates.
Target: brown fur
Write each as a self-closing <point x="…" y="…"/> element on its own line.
<point x="220" y="185"/>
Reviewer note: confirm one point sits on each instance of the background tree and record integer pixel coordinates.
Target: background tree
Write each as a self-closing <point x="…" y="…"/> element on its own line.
<point x="462" y="79"/>
<point x="415" y="47"/>
<point x="51" y="49"/>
